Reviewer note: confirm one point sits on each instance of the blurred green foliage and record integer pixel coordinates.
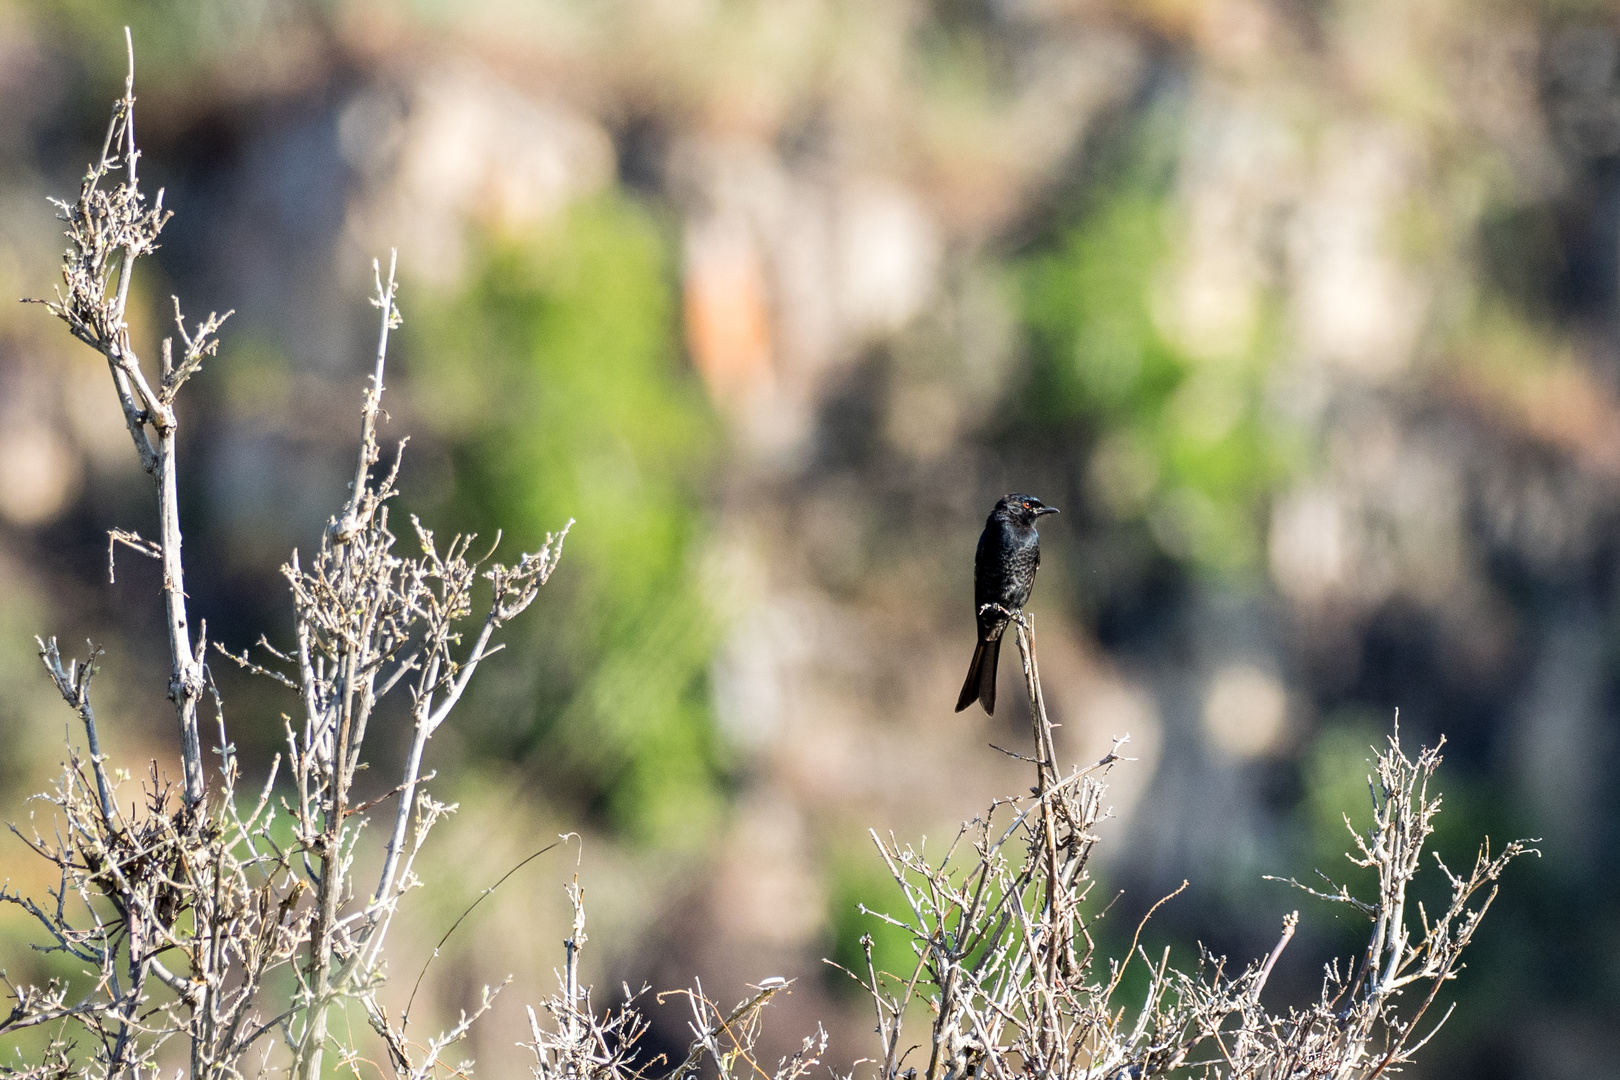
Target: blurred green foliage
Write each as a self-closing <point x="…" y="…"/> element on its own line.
<point x="1184" y="443"/>
<point x="856" y="881"/>
<point x="556" y="378"/>
<point x="171" y="36"/>
<point x="1337" y="798"/>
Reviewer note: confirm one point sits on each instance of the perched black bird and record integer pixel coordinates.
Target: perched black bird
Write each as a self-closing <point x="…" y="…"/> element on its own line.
<point x="1003" y="574"/>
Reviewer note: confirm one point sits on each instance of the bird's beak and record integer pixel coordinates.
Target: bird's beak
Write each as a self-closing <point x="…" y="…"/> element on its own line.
<point x="1047" y="510"/>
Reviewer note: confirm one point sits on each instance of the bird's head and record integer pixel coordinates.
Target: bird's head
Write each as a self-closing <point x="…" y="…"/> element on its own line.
<point x="1024" y="508"/>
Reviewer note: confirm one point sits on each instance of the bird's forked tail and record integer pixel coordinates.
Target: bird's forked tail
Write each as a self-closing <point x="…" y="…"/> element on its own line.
<point x="981" y="677"/>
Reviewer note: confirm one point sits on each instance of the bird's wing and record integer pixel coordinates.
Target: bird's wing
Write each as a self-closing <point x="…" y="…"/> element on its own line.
<point x="986" y="578"/>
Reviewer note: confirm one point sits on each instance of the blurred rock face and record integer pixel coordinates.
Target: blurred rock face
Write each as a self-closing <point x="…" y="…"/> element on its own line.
<point x="1305" y="316"/>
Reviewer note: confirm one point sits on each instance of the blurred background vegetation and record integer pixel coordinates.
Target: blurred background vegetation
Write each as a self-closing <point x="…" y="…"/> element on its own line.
<point x="1307" y="315"/>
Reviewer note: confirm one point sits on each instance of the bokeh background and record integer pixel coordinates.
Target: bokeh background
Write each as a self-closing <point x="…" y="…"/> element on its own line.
<point x="1305" y="312"/>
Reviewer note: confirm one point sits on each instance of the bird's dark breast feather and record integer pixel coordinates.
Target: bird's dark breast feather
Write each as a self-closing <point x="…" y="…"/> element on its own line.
<point x="1004" y="568"/>
<point x="1018" y="575"/>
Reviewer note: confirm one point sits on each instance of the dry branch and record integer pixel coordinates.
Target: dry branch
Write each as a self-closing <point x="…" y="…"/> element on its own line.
<point x="1006" y="963"/>
<point x="189" y="917"/>
<point x="108" y="229"/>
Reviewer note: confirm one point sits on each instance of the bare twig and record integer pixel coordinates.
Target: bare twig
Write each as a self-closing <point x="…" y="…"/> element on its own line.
<point x="1006" y="960"/>
<point x="108" y="229"/>
<point x="193" y="916"/>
